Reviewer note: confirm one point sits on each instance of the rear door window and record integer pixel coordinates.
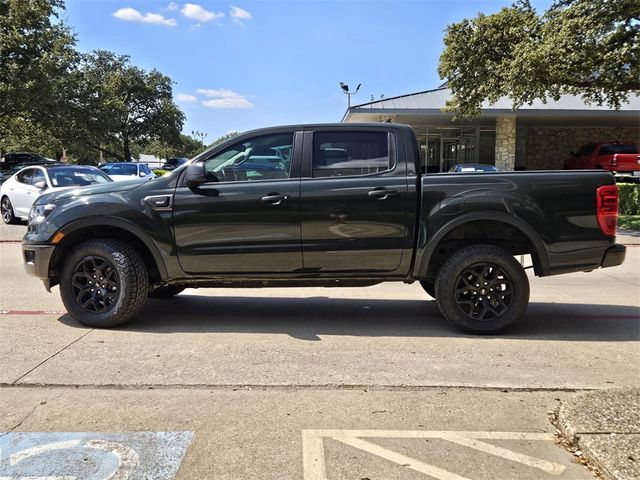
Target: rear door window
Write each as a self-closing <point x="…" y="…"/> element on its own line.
<point x="337" y="154"/>
<point x="25" y="176"/>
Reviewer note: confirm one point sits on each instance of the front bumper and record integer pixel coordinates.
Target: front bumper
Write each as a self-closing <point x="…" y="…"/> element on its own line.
<point x="613" y="256"/>
<point x="36" y="261"/>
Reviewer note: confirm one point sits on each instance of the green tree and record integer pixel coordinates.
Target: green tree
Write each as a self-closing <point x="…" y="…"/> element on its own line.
<point x="36" y="56"/>
<point x="126" y="105"/>
<point x="579" y="47"/>
<point x="186" y="147"/>
<point x="224" y="138"/>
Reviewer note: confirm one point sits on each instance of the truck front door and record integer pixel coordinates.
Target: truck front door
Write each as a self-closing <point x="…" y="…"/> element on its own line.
<point x="354" y="202"/>
<point x="246" y="218"/>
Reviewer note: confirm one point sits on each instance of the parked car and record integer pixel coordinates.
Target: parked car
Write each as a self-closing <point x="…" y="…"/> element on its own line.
<point x="12" y="159"/>
<point x="472" y="167"/>
<point x="119" y="171"/>
<point x="359" y="218"/>
<point x="173" y="163"/>
<point x="18" y="193"/>
<point x="617" y="157"/>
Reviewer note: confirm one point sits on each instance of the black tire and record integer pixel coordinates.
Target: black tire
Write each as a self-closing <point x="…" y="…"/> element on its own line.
<point x="467" y="284"/>
<point x="429" y="287"/>
<point x="120" y="267"/>
<point x="167" y="291"/>
<point x="6" y="209"/>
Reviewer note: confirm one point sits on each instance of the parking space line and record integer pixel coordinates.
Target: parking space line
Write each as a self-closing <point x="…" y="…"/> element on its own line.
<point x="314" y="465"/>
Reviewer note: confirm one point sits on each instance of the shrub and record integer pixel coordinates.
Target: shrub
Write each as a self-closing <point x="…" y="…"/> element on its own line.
<point x="629" y="198"/>
<point x="159" y="172"/>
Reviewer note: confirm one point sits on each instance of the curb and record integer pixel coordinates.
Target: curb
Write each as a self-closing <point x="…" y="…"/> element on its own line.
<point x="611" y="449"/>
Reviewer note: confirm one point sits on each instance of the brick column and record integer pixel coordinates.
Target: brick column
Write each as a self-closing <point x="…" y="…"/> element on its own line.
<point x="506" y="142"/>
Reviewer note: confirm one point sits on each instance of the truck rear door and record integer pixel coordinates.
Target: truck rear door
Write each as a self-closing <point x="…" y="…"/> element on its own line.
<point x="353" y="201"/>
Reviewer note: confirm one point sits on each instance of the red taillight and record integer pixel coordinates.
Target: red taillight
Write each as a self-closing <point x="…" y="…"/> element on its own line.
<point x="607" y="209"/>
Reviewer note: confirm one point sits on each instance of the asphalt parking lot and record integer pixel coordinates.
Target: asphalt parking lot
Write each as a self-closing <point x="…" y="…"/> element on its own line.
<point x="306" y="383"/>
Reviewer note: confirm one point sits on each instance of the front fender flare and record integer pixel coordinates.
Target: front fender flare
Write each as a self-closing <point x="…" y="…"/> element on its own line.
<point x="122" y="224"/>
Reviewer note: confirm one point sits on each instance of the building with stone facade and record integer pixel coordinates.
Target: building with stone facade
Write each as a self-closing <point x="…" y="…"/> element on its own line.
<point x="534" y="137"/>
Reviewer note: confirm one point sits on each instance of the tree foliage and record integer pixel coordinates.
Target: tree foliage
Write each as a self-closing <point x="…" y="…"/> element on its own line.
<point x="126" y="105"/>
<point x="224" y="138"/>
<point x="186" y="147"/>
<point x="579" y="47"/>
<point x="36" y="56"/>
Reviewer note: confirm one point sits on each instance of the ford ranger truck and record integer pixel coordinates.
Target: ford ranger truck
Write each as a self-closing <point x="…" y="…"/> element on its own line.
<point x="322" y="205"/>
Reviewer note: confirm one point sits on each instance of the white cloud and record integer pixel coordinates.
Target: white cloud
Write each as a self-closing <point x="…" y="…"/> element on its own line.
<point x="239" y="16"/>
<point x="196" y="12"/>
<point x="132" y="15"/>
<point x="224" y="98"/>
<point x="184" y="97"/>
<point x="172" y="6"/>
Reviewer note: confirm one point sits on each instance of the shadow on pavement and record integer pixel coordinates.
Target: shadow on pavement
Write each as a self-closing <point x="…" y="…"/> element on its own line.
<point x="307" y="318"/>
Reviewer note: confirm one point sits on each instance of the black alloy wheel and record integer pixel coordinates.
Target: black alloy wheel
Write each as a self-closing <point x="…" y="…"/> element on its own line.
<point x="104" y="282"/>
<point x="95" y="284"/>
<point x="484" y="291"/>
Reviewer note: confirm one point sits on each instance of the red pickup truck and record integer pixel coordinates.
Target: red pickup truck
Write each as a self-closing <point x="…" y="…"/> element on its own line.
<point x="617" y="157"/>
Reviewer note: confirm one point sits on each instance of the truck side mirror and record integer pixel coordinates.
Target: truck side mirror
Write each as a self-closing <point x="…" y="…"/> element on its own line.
<point x="195" y="175"/>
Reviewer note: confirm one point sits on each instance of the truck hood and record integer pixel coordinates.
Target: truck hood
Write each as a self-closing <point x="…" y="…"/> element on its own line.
<point x="86" y="191"/>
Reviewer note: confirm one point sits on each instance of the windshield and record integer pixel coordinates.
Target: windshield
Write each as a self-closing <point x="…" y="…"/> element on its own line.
<point x="76" y="177"/>
<point x="119" y="169"/>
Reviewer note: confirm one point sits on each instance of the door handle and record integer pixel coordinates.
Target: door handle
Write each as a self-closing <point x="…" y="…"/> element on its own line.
<point x="275" y="198"/>
<point x="382" y="193"/>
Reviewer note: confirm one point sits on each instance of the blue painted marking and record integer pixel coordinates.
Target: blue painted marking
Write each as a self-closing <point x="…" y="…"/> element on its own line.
<point x="92" y="455"/>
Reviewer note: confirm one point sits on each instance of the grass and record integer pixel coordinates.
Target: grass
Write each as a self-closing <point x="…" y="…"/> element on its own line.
<point x="629" y="222"/>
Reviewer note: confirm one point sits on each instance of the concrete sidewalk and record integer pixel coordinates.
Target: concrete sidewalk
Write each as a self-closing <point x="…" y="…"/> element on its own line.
<point x="605" y="426"/>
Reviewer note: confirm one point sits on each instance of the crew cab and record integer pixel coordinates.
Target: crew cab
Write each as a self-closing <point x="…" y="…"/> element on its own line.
<point x="617" y="157"/>
<point x="322" y="205"/>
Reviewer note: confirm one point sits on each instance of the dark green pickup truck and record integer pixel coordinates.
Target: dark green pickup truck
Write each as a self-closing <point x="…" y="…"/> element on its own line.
<point x="322" y="205"/>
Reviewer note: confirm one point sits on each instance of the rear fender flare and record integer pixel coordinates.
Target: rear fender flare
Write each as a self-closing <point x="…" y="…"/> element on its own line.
<point x="425" y="252"/>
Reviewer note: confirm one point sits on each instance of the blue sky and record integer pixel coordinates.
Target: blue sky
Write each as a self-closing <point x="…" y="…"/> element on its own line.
<point x="241" y="64"/>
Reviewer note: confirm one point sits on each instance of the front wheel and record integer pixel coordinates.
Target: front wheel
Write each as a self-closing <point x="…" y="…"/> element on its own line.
<point x="482" y="289"/>
<point x="104" y="283"/>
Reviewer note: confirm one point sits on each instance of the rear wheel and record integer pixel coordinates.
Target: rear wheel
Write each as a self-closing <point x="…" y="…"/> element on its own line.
<point x="6" y="209"/>
<point x="482" y="289"/>
<point x="104" y="283"/>
<point x="166" y="291"/>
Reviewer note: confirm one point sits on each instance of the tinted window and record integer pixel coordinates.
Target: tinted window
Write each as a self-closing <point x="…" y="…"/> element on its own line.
<point x="261" y="158"/>
<point x="586" y="150"/>
<point x="25" y="176"/>
<point x="120" y="169"/>
<point x="38" y="176"/>
<point x="145" y="169"/>
<point x="350" y="153"/>
<point x="613" y="148"/>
